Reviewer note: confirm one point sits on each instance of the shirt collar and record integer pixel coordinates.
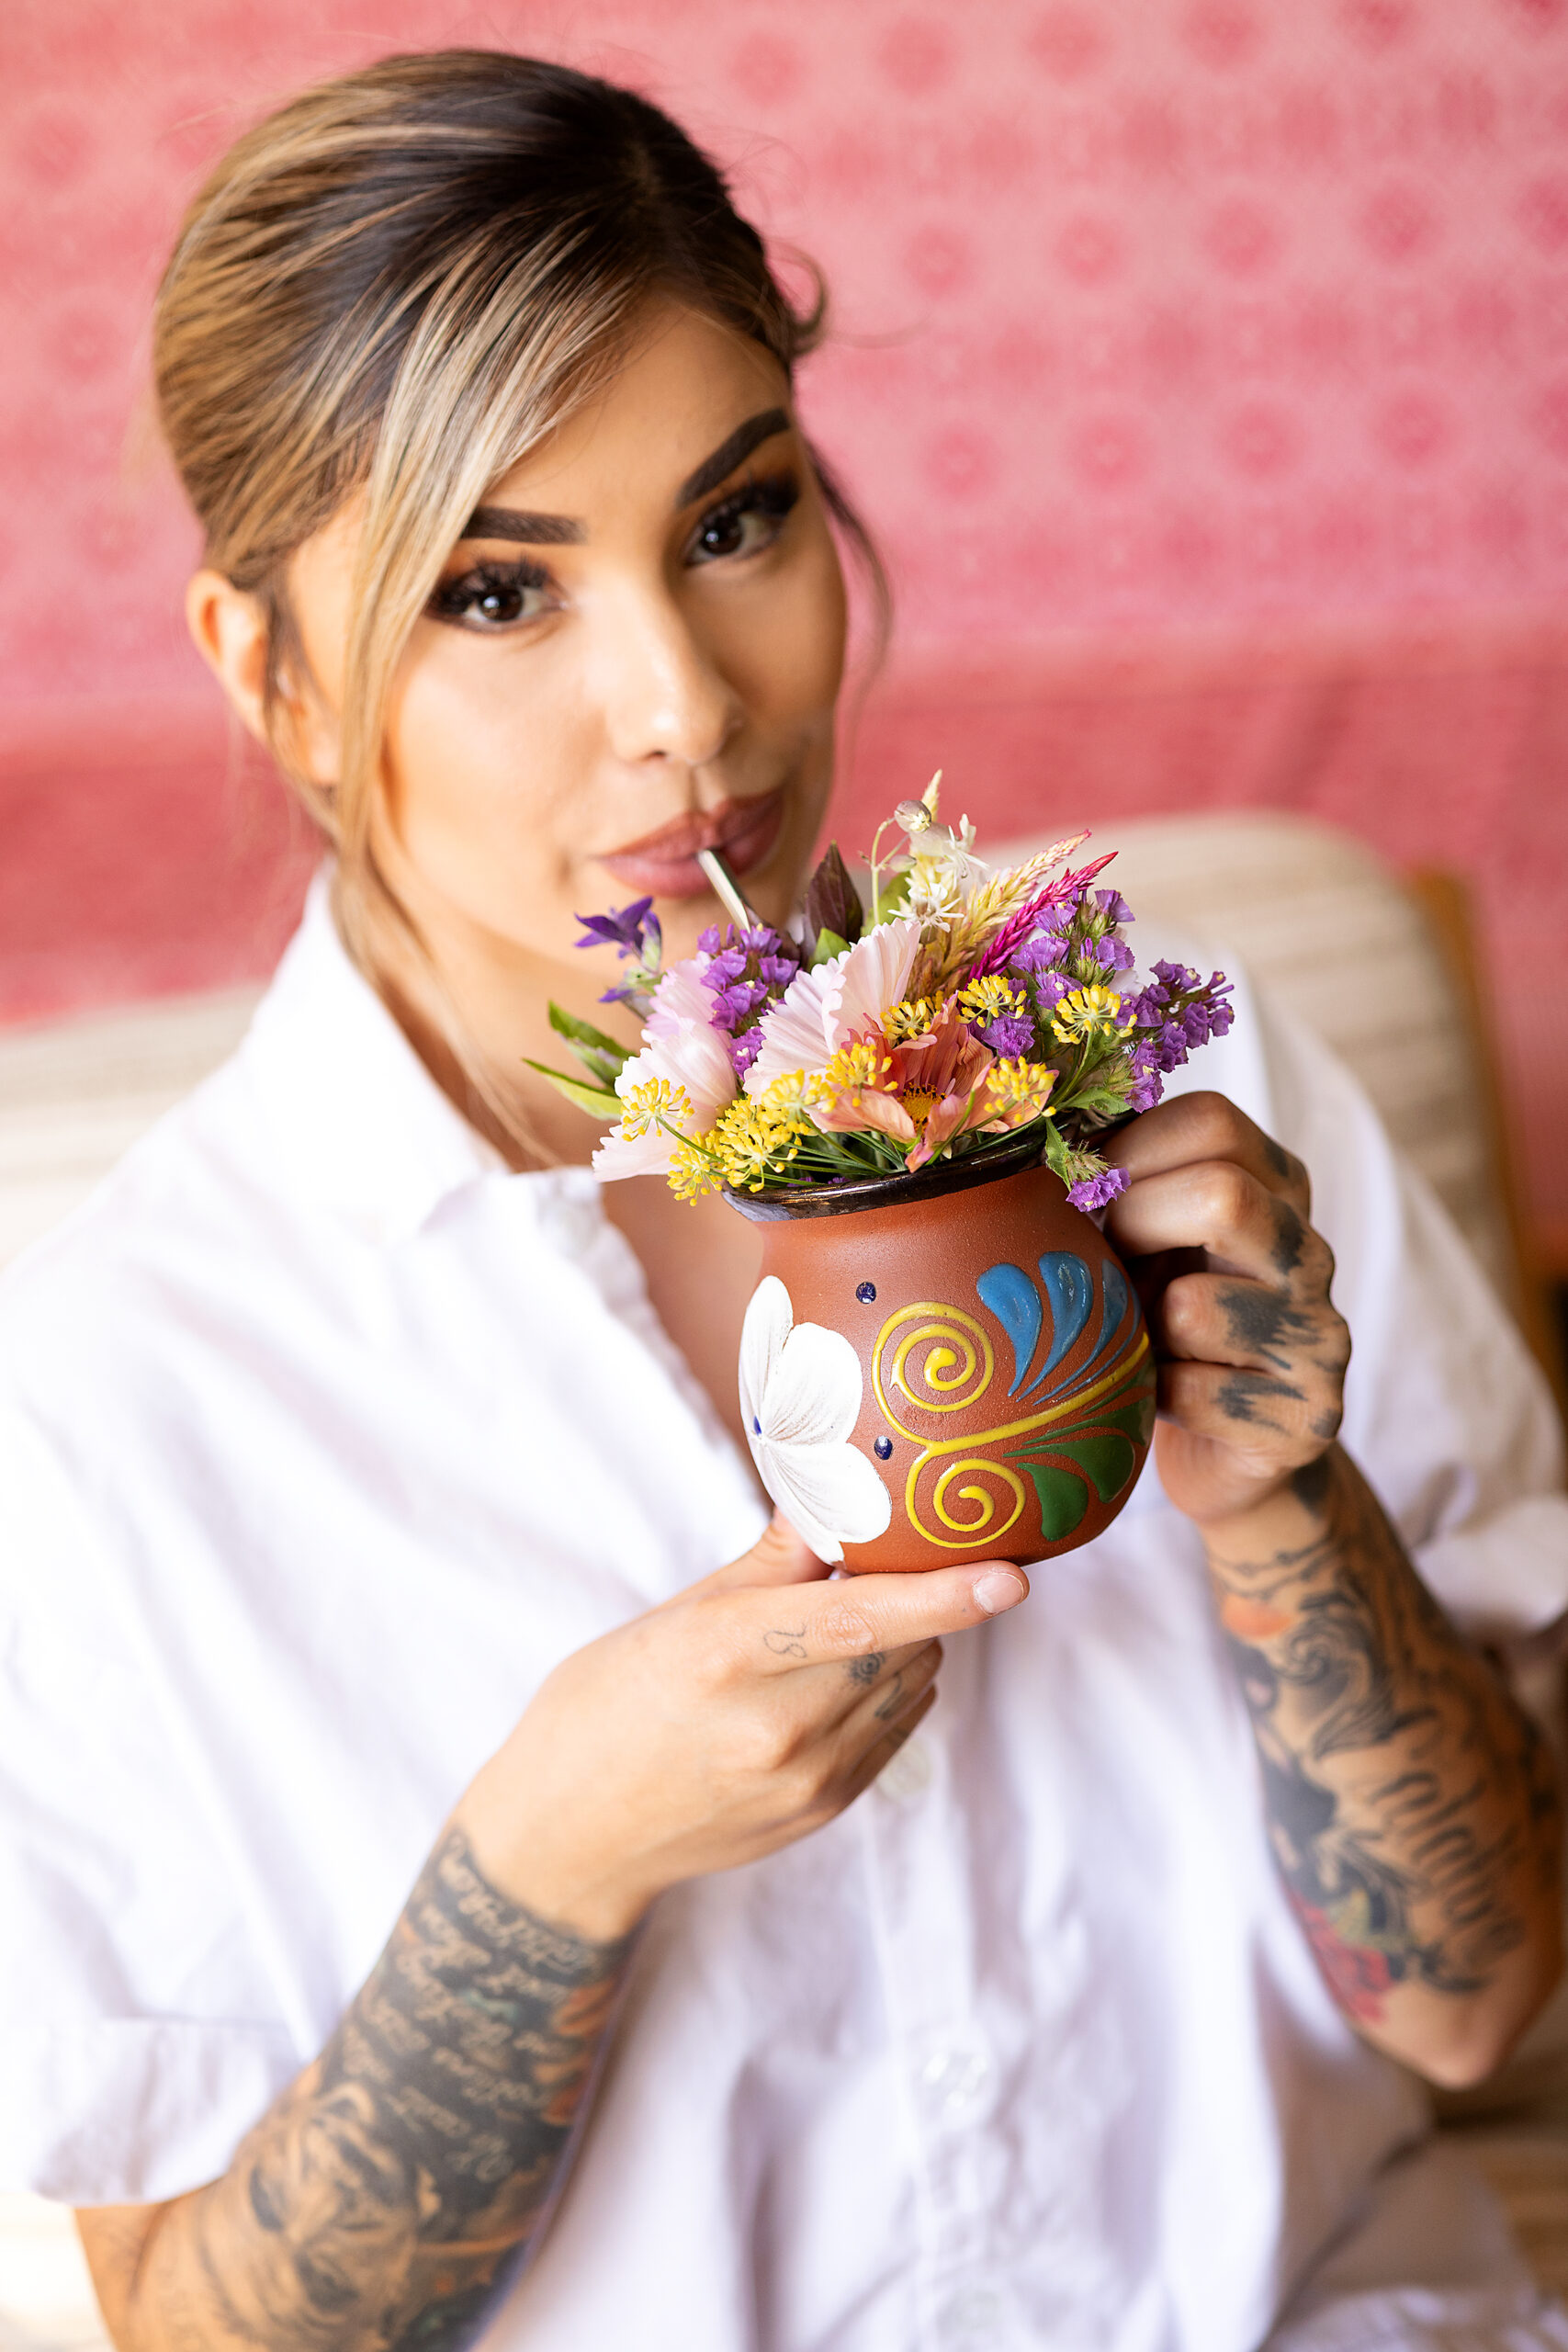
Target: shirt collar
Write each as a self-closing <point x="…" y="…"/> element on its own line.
<point x="346" y="1103"/>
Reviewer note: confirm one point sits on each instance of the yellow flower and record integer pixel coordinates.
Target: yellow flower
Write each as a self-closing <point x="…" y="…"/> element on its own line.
<point x="989" y="997"/>
<point x="755" y="1139"/>
<point x="656" y="1103"/>
<point x="1087" y="1012"/>
<point x="694" y="1172"/>
<point x="792" y="1090"/>
<point x="1019" y="1086"/>
<point x="910" y="1019"/>
<point x="856" y="1065"/>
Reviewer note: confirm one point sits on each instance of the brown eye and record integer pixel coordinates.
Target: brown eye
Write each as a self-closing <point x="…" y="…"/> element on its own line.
<point x="499" y="604"/>
<point x="724" y="534"/>
<point x="494" y="597"/>
<point x="744" y="524"/>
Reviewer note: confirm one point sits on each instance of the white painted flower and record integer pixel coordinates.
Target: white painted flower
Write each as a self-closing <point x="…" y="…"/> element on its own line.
<point x="800" y="1394"/>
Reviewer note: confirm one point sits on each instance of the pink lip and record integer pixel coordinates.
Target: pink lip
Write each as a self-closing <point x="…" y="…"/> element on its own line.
<point x="663" y="865"/>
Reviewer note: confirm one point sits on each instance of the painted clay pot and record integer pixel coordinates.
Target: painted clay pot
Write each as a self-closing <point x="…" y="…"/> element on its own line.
<point x="945" y="1367"/>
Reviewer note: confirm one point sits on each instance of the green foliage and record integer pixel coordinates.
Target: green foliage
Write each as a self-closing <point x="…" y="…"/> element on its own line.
<point x="599" y="1054"/>
<point x="601" y="1101"/>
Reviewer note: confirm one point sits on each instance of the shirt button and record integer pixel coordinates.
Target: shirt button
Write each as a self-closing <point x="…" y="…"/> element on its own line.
<point x="907" y="1774"/>
<point x="952" y="2079"/>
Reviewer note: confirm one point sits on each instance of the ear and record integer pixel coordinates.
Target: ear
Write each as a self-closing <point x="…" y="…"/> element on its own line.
<point x="228" y="627"/>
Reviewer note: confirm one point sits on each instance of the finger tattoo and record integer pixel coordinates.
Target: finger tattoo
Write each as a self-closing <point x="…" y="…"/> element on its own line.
<point x="890" y="1704"/>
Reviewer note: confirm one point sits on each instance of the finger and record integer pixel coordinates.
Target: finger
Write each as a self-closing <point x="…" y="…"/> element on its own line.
<point x="1214" y="1318"/>
<point x="814" y="1624"/>
<point x="1208" y="1127"/>
<point x="885" y="1746"/>
<point x="880" y="1680"/>
<point x="1225" y="1210"/>
<point x="779" y="1556"/>
<point x="1274" y="1422"/>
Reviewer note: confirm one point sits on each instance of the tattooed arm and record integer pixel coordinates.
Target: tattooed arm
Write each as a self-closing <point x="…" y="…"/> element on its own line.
<point x="1410" y="1802"/>
<point x="390" y="2192"/>
<point x="391" y="2189"/>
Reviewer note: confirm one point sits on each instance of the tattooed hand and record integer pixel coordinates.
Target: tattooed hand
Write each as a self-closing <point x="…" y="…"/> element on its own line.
<point x="1236" y="1284"/>
<point x="745" y="1713"/>
<point x="385" y="2199"/>
<point x="1410" y="1804"/>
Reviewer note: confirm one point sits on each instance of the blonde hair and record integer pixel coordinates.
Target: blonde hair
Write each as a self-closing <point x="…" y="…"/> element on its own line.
<point x="397" y="285"/>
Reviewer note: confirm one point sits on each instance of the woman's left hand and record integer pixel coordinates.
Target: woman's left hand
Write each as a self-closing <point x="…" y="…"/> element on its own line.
<point x="1236" y="1284"/>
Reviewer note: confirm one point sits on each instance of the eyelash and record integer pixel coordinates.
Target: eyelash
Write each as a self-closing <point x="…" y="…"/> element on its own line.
<point x="453" y="600"/>
<point x="774" y="497"/>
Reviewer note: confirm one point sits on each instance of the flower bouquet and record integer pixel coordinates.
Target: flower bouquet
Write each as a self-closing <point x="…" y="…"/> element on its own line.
<point x="852" y="1082"/>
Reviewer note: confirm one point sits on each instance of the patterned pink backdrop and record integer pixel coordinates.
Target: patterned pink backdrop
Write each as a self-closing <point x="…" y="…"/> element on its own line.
<point x="1187" y="327"/>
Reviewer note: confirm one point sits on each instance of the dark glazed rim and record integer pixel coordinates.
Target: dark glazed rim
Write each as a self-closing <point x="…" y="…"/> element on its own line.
<point x="837" y="1198"/>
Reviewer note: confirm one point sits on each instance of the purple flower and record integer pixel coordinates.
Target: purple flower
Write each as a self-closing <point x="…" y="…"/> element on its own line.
<point x="1113" y="906"/>
<point x="744" y="1049"/>
<point x="1009" y="1034"/>
<point x="626" y="929"/>
<point x="1037" y="955"/>
<point x="746" y="971"/>
<point x="1098" y="1192"/>
<point x="1144" y="1071"/>
<point x="1177" y="1012"/>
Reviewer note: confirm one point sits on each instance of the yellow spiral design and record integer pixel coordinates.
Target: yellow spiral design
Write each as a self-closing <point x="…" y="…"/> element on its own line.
<point x="971" y="1530"/>
<point x="952" y="1361"/>
<point x="956" y="1351"/>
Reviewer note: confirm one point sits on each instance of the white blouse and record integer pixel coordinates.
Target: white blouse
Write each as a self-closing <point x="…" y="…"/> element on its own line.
<point x="323" y="1438"/>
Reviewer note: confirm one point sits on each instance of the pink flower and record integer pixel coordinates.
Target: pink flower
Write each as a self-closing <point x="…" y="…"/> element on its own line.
<point x="846" y="998"/>
<point x="872" y="977"/>
<point x="922" y="1094"/>
<point x="685" y="1048"/>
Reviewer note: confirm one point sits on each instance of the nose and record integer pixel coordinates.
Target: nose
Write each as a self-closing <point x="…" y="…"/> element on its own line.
<point x="665" y="696"/>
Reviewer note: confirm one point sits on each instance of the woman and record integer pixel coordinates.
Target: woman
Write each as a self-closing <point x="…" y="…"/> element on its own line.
<point x="369" y="1479"/>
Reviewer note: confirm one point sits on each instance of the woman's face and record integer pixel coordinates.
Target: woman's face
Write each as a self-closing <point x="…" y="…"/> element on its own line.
<point x="632" y="655"/>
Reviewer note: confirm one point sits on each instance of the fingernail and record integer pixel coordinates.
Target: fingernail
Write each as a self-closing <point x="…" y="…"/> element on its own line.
<point x="998" y="1589"/>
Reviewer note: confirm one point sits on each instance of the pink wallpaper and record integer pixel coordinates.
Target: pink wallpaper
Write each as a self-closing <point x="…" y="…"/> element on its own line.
<point x="1161" y="315"/>
<point x="1170" y="324"/>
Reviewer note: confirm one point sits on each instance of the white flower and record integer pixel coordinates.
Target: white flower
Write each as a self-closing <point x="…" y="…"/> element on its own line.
<point x="943" y="875"/>
<point x="685" y="1048"/>
<point x="800" y="1394"/>
<point x="823" y="1010"/>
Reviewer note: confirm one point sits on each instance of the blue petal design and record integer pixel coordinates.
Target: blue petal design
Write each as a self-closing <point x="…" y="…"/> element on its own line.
<point x="1113" y="1290"/>
<point x="1014" y="1301"/>
<point x="1069" y="1287"/>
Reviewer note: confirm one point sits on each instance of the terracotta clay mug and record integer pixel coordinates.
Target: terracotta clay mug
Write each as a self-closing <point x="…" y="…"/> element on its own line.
<point x="944" y="1367"/>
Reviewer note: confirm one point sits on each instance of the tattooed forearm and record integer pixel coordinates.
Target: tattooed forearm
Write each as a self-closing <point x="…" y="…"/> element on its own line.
<point x="392" y="2191"/>
<point x="1411" y="1804"/>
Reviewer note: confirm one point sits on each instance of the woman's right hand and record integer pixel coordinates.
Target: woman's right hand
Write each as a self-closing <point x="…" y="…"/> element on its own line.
<point x="731" y="1720"/>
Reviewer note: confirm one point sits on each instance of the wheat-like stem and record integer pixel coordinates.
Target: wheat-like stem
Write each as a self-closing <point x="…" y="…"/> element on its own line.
<point x="978" y="923"/>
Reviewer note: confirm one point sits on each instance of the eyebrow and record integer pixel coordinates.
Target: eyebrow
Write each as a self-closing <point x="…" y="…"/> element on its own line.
<point x="513" y="523"/>
<point x="516" y="523"/>
<point x="730" y="454"/>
